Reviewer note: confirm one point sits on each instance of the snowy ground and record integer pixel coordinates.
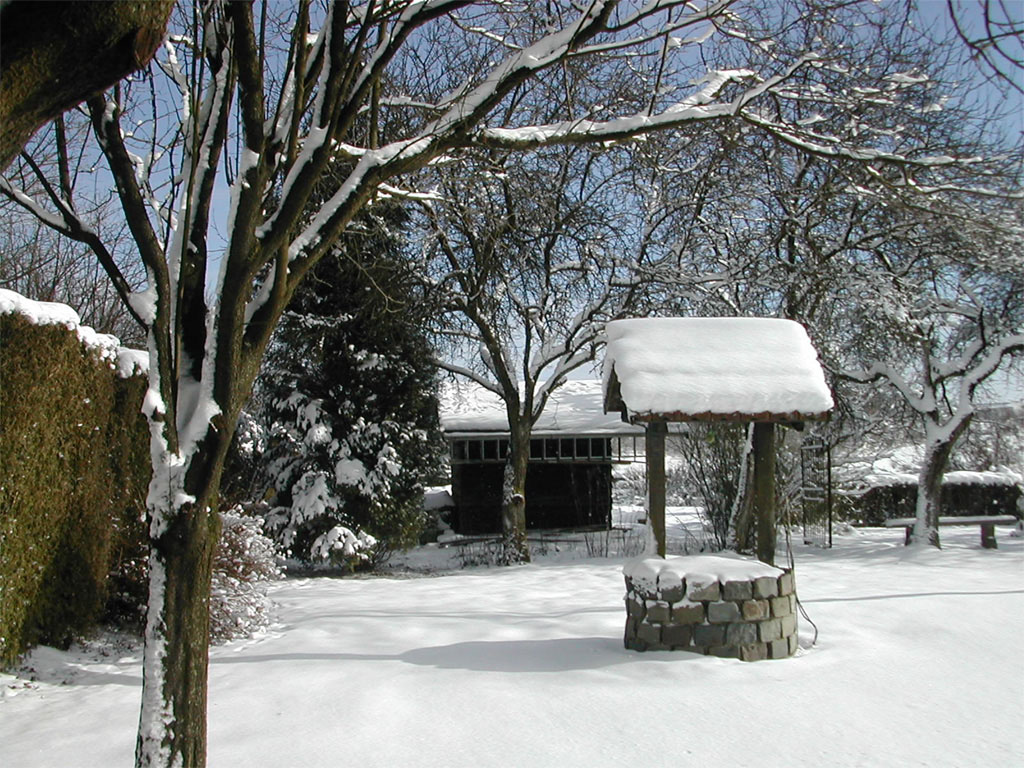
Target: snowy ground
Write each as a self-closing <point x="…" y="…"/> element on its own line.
<point x="918" y="662"/>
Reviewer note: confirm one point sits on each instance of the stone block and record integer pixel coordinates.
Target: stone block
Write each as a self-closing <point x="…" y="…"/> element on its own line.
<point x="753" y="610"/>
<point x="635" y="608"/>
<point x="779" y="649"/>
<point x="737" y="590"/>
<point x="741" y="634"/>
<point x="793" y="643"/>
<point x="658" y="612"/>
<point x="723" y="612"/>
<point x="706" y="591"/>
<point x="724" y="651"/>
<point x="782" y="606"/>
<point x="769" y="630"/>
<point x="649" y="635"/>
<point x="676" y="636"/>
<point x="672" y="594"/>
<point x="633" y="644"/>
<point x="787" y="585"/>
<point x="671" y="587"/>
<point x="788" y="625"/>
<point x="639" y="589"/>
<point x="753" y="652"/>
<point x="629" y="636"/>
<point x="688" y="613"/>
<point x="709" y="635"/>
<point x="766" y="586"/>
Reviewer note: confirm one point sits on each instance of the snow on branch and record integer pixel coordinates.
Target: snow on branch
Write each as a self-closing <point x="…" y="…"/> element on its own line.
<point x="697" y="107"/>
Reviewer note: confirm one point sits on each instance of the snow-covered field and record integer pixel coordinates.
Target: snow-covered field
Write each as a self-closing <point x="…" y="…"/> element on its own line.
<point x="918" y="662"/>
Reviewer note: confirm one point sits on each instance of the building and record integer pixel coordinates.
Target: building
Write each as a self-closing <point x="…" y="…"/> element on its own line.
<point x="569" y="477"/>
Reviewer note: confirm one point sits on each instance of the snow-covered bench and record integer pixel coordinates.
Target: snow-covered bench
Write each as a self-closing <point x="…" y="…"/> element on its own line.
<point x="988" y="525"/>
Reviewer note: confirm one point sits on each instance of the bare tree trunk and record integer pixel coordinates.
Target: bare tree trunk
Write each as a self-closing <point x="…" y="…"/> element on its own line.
<point x="172" y="723"/>
<point x="940" y="443"/>
<point x="739" y="534"/>
<point x="184" y="531"/>
<point x="513" y="497"/>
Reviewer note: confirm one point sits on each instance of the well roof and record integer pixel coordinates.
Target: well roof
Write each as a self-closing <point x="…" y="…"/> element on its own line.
<point x="713" y="369"/>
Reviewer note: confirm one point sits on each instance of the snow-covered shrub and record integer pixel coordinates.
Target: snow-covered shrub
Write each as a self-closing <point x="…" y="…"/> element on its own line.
<point x="629" y="483"/>
<point x="243" y="565"/>
<point x="340" y="546"/>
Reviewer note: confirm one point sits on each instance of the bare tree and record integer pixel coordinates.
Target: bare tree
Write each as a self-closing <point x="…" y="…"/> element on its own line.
<point x="265" y="106"/>
<point x="935" y="327"/>
<point x="39" y="263"/>
<point x="527" y="260"/>
<point x="993" y="31"/>
<point x="793" y="232"/>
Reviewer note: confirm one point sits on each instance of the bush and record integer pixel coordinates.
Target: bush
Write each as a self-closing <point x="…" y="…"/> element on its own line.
<point x="245" y="561"/>
<point x="66" y="509"/>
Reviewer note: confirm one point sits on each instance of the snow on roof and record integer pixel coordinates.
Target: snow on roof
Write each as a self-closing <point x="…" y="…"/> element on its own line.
<point x="574" y="408"/>
<point x="708" y="368"/>
<point x="125" y="361"/>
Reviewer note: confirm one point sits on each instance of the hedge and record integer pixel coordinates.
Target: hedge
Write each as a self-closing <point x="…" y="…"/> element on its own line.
<point x="74" y="469"/>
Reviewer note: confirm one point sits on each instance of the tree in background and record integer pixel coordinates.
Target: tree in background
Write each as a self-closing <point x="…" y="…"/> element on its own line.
<point x="39" y="264"/>
<point x="345" y="400"/>
<point x="939" y="318"/>
<point x="794" y="233"/>
<point x="526" y="260"/>
<point x="993" y="31"/>
<point x="713" y="456"/>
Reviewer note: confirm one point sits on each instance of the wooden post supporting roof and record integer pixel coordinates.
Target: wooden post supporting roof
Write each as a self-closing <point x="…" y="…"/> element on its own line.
<point x="654" y="442"/>
<point x="764" y="490"/>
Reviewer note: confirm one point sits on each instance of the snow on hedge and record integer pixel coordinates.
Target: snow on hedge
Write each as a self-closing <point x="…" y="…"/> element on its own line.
<point x="959" y="477"/>
<point x="127" y="362"/>
<point x="735" y="365"/>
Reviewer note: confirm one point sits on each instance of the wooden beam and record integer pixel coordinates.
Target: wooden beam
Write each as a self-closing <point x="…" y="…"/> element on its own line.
<point x="654" y="440"/>
<point x="764" y="490"/>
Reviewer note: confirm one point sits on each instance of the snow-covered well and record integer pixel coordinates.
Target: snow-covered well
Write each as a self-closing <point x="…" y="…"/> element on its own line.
<point x="713" y="605"/>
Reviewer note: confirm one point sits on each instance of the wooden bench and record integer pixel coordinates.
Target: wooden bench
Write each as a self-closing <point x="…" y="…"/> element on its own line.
<point x="988" y="525"/>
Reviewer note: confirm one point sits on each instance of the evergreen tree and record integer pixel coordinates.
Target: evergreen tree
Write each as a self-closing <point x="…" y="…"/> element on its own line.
<point x="346" y="403"/>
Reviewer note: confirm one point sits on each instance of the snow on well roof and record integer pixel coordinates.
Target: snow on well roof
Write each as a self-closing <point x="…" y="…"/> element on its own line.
<point x="574" y="408"/>
<point x="689" y="369"/>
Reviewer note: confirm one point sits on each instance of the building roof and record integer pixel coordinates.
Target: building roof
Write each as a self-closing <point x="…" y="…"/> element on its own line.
<point x="575" y="408"/>
<point x="713" y="369"/>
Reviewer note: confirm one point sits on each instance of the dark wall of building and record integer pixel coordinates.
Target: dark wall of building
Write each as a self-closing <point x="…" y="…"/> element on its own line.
<point x="557" y="496"/>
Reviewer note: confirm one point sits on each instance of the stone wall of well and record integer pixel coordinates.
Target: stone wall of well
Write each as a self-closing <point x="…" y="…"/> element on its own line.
<point x="747" y="618"/>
